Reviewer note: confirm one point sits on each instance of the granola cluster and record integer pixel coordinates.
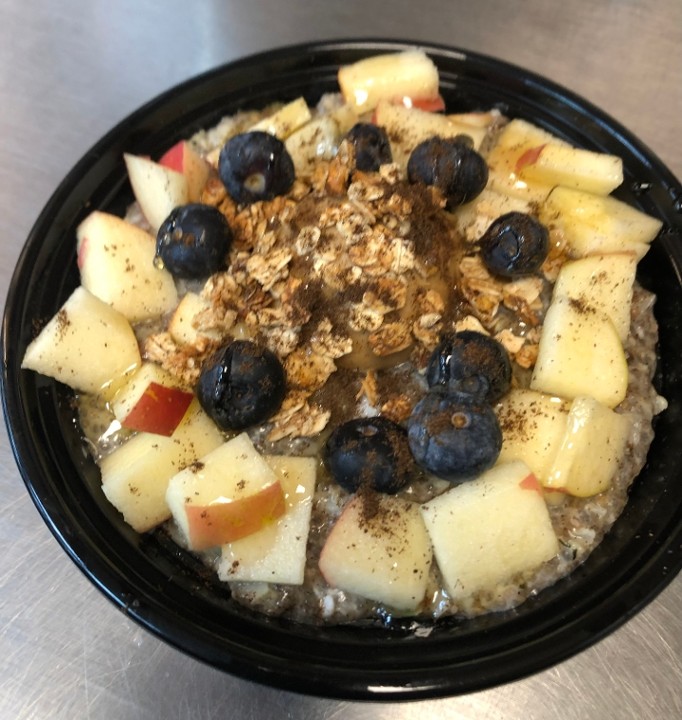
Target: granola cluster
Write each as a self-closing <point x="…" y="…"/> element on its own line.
<point x="353" y="268"/>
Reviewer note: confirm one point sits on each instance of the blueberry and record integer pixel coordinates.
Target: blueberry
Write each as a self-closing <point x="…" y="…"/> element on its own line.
<point x="241" y="385"/>
<point x="371" y="145"/>
<point x="255" y="166"/>
<point x="471" y="363"/>
<point x="452" y="437"/>
<point x="515" y="244"/>
<point x="371" y="453"/>
<point x="193" y="241"/>
<point x="450" y="164"/>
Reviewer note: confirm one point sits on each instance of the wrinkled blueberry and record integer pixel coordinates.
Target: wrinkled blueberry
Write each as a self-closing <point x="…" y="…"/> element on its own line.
<point x="241" y="385"/>
<point x="453" y="438"/>
<point x="515" y="244"/>
<point x="450" y="164"/>
<point x="255" y="166"/>
<point x="369" y="452"/>
<point x="371" y="145"/>
<point x="471" y="363"/>
<point x="193" y="241"/>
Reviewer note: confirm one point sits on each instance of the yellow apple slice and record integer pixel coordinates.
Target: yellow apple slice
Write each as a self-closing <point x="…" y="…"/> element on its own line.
<point x="391" y="76"/>
<point x="157" y="188"/>
<point x="135" y="476"/>
<point x="407" y="127"/>
<point x="487" y="530"/>
<point x="593" y="224"/>
<point x="533" y="426"/>
<point x="592" y="447"/>
<point x="87" y="345"/>
<point x="554" y="164"/>
<point x="116" y="262"/>
<point x="379" y="549"/>
<point x="229" y="494"/>
<point x="181" y="325"/>
<point x="580" y="353"/>
<point x="316" y="140"/>
<point x="286" y="120"/>
<point x="474" y="218"/>
<point x="277" y="553"/>
<point x="604" y="282"/>
<point x="512" y="150"/>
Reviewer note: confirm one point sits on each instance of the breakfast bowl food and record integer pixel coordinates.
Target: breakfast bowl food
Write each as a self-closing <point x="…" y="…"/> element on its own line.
<point x="390" y="646"/>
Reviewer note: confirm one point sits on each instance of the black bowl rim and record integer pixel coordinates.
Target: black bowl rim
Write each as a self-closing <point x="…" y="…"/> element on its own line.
<point x="258" y="649"/>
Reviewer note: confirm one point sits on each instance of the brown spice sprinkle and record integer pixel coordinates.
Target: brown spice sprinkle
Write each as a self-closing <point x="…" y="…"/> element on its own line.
<point x="351" y="267"/>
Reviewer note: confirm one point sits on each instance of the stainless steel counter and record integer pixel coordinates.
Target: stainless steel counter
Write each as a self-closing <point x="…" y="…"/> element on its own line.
<point x="68" y="72"/>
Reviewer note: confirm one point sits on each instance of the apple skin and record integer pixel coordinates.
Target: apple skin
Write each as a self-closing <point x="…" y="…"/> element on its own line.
<point x="435" y="103"/>
<point x="159" y="410"/>
<point x="277" y="553"/>
<point x="184" y="159"/>
<point x="228" y="494"/>
<point x="135" y="476"/>
<point x="225" y="522"/>
<point x="151" y="401"/>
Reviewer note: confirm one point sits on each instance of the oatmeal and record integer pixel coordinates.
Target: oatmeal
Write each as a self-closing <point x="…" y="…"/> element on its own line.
<point x="377" y="343"/>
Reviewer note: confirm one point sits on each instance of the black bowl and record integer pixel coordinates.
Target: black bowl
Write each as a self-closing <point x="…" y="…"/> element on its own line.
<point x="166" y="591"/>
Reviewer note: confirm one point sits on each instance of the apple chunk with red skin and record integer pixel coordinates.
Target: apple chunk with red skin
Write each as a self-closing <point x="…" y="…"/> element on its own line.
<point x="182" y="158"/>
<point x="229" y="494"/>
<point x="277" y="553"/>
<point x="151" y="401"/>
<point x="408" y="74"/>
<point x="135" y="476"/>
<point x="116" y="263"/>
<point x="487" y="530"/>
<point x="379" y="549"/>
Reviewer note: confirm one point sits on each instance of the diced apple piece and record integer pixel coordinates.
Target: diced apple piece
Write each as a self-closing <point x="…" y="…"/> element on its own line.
<point x="592" y="224"/>
<point x="512" y="150"/>
<point x="553" y="164"/>
<point x="604" y="282"/>
<point x="407" y="127"/>
<point x="317" y="140"/>
<point x="286" y="120"/>
<point x="487" y="530"/>
<point x="135" y="476"/>
<point x="184" y="159"/>
<point x="152" y="400"/>
<point x="474" y="218"/>
<point x="230" y="493"/>
<point x="477" y="119"/>
<point x="345" y="117"/>
<point x="592" y="447"/>
<point x="116" y="262"/>
<point x="157" y="188"/>
<point x="390" y="76"/>
<point x="533" y="426"/>
<point x="580" y="353"/>
<point x="379" y="549"/>
<point x="277" y="553"/>
<point x="87" y="345"/>
<point x="181" y="325"/>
